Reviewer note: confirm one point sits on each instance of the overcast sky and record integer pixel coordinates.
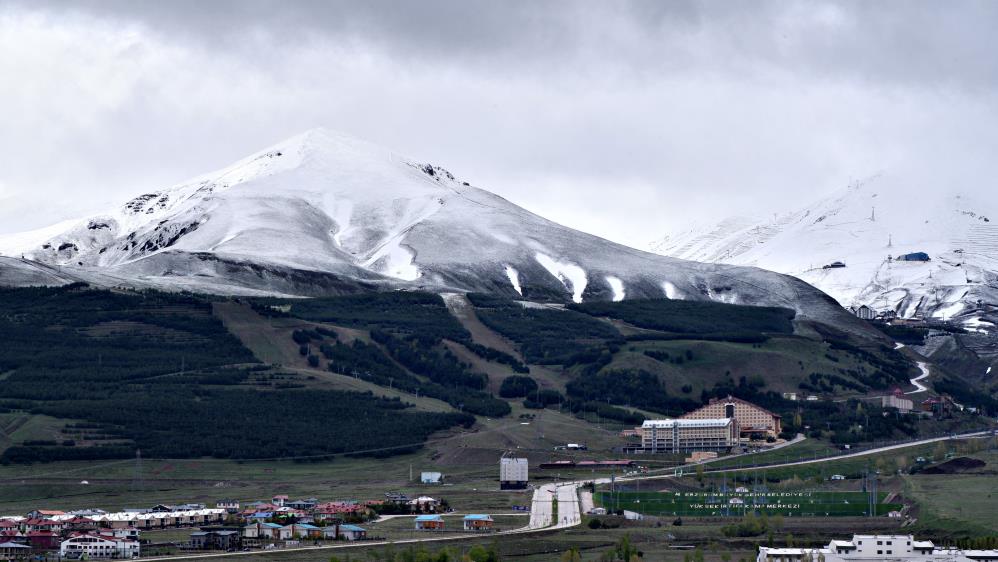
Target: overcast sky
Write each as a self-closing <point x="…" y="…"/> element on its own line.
<point x="624" y="119"/>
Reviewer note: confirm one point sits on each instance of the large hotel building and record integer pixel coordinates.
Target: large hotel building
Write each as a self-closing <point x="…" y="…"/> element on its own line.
<point x="680" y="435"/>
<point x="718" y="426"/>
<point x="751" y="419"/>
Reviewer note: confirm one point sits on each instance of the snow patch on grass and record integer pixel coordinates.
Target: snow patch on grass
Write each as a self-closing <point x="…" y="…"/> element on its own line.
<point x="514" y="279"/>
<point x="948" y="311"/>
<point x="617" y="286"/>
<point x="394" y="260"/>
<point x="671" y="292"/>
<point x="571" y="276"/>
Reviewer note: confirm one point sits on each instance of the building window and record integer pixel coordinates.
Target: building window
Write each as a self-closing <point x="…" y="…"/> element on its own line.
<point x="880" y="552"/>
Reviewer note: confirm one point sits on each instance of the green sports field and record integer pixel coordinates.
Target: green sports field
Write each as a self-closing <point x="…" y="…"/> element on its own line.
<point x="737" y="504"/>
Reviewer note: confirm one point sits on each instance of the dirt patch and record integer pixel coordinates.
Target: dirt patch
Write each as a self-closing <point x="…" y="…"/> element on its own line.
<point x="956" y="466"/>
<point x="461" y="308"/>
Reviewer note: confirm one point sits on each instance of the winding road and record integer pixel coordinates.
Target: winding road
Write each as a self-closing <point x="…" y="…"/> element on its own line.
<point x="919" y="387"/>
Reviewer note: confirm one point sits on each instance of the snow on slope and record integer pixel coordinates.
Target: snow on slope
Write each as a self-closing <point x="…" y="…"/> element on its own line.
<point x="324" y="213"/>
<point x="865" y="225"/>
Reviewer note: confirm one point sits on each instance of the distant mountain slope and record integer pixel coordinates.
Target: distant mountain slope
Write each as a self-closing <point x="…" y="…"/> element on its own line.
<point x="323" y="213"/>
<point x="867" y="226"/>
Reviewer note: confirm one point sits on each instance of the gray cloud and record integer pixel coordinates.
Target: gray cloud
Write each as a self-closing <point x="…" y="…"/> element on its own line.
<point x="617" y="117"/>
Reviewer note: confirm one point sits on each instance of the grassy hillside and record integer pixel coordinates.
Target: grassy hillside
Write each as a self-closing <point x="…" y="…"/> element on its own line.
<point x="179" y="375"/>
<point x="158" y="372"/>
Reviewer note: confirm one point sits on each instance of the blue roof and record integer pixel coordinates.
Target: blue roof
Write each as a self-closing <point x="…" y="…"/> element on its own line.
<point x="353" y="528"/>
<point x="306" y="526"/>
<point x="477" y="517"/>
<point x="272" y="525"/>
<point x="428" y="518"/>
<point x="264" y="515"/>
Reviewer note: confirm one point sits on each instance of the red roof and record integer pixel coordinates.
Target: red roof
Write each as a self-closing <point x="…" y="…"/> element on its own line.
<point x="608" y="463"/>
<point x="41" y="522"/>
<point x="42" y="534"/>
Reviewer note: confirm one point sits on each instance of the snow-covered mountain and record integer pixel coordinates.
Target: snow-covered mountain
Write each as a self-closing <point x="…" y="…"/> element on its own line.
<point x="866" y="226"/>
<point x="323" y="213"/>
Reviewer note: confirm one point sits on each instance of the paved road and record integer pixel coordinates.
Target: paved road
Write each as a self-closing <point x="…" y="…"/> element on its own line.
<point x="541" y="507"/>
<point x="824" y="459"/>
<point x="917" y="381"/>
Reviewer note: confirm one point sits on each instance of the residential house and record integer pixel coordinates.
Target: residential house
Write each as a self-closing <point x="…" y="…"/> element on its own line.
<point x="127" y="533"/>
<point x="299" y="531"/>
<point x="44" y="513"/>
<point x="29" y="525"/>
<point x="12" y="535"/>
<point x="160" y="520"/>
<point x="477" y="522"/>
<point x="424" y="504"/>
<point x="279" y="500"/>
<point x="429" y="523"/>
<point x="331" y="511"/>
<point x="43" y="540"/>
<point x="303" y="505"/>
<point x="79" y="524"/>
<point x="98" y="547"/>
<point x="229" y="505"/>
<point x="216" y="539"/>
<point x="14" y="551"/>
<point x="262" y="531"/>
<point x="352" y="532"/>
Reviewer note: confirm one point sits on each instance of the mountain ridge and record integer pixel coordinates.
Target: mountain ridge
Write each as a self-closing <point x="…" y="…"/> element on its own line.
<point x="866" y="227"/>
<point x="324" y="213"/>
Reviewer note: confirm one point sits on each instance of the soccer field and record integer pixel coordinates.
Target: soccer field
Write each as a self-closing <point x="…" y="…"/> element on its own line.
<point x="737" y="504"/>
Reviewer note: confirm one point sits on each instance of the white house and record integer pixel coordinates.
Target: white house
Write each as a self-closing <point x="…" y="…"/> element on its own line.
<point x="866" y="548"/>
<point x="229" y="505"/>
<point x="431" y="477"/>
<point x="98" y="547"/>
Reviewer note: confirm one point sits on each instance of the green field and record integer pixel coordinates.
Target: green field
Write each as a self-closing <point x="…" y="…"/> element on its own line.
<point x="717" y="504"/>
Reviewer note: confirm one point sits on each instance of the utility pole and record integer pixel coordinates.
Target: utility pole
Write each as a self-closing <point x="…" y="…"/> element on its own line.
<point x="137" y="483"/>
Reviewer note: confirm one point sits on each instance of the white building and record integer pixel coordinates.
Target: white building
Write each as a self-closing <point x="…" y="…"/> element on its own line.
<point x="874" y="548"/>
<point x="98" y="547"/>
<point x="897" y="400"/>
<point x="512" y="473"/>
<point x="431" y="477"/>
<point x="679" y="435"/>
